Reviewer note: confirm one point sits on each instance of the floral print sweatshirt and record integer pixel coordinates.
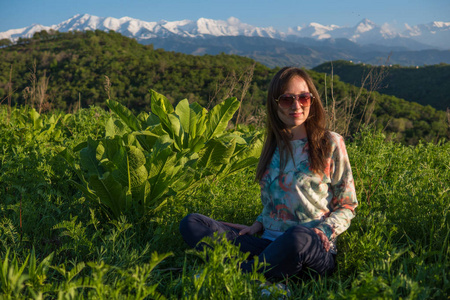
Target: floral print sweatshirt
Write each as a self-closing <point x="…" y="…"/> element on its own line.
<point x="298" y="196"/>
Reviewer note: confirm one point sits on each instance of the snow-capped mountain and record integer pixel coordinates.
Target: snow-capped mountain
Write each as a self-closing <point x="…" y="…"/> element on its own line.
<point x="313" y="30"/>
<point x="435" y="33"/>
<point x="144" y="30"/>
<point x="367" y="32"/>
<point x="432" y="35"/>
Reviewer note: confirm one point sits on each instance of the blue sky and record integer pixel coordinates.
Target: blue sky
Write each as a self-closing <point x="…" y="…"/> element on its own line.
<point x="279" y="14"/>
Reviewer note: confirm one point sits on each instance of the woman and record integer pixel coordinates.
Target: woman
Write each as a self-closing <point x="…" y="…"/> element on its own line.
<point x="307" y="187"/>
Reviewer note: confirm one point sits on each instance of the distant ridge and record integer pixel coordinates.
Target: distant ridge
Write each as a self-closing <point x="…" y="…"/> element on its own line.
<point x="307" y="46"/>
<point x="425" y="85"/>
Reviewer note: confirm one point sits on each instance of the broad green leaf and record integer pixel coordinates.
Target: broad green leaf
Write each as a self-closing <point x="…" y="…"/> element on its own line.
<point x="136" y="157"/>
<point x="198" y="123"/>
<point x="192" y="119"/>
<point x="64" y="153"/>
<point x="197" y="108"/>
<point x="160" y="105"/>
<point x="185" y="178"/>
<point x="148" y="120"/>
<point x="197" y="120"/>
<point x="197" y="144"/>
<point x="152" y="120"/>
<point x="120" y="160"/>
<point x="158" y="130"/>
<point x="162" y="168"/>
<point x="137" y="170"/>
<point x="50" y="130"/>
<point x="159" y="161"/>
<point x="254" y="148"/>
<point x="89" y="158"/>
<point x="218" y="118"/>
<point x="163" y="180"/>
<point x="177" y="132"/>
<point x="66" y="118"/>
<point x="140" y="195"/>
<point x="142" y="118"/>
<point x="164" y="120"/>
<point x="183" y="111"/>
<point x="114" y="127"/>
<point x="129" y="140"/>
<point x="216" y="154"/>
<point x="37" y="120"/>
<point x="80" y="146"/>
<point x="241" y="164"/>
<point x="124" y="114"/>
<point x="147" y="139"/>
<point x="128" y="199"/>
<point x="107" y="165"/>
<point x="228" y="137"/>
<point x="111" y="147"/>
<point x="110" y="193"/>
<point x="90" y="195"/>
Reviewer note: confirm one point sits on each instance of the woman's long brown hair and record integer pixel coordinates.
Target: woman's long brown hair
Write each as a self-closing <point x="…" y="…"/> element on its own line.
<point x="278" y="135"/>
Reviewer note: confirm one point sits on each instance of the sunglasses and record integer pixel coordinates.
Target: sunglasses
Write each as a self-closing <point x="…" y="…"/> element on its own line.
<point x="286" y="100"/>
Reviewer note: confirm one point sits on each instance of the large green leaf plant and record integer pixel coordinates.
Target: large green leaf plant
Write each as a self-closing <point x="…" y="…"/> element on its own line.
<point x="144" y="159"/>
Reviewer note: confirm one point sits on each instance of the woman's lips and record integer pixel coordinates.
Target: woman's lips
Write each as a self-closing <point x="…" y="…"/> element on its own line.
<point x="296" y="114"/>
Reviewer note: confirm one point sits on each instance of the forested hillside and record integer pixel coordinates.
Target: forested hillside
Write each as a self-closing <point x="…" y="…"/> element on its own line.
<point x="75" y="65"/>
<point x="427" y="85"/>
<point x="66" y="71"/>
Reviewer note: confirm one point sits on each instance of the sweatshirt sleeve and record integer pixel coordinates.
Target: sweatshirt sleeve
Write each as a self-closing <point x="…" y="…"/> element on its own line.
<point x="343" y="202"/>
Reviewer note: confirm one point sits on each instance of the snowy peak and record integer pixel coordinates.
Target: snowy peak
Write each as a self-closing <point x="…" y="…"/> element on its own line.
<point x="367" y="32"/>
<point x="144" y="30"/>
<point x="436" y="34"/>
<point x="432" y="28"/>
<point x="314" y="30"/>
<point x="14" y="34"/>
<point x="365" y="25"/>
<point x="233" y="27"/>
<point x="358" y="33"/>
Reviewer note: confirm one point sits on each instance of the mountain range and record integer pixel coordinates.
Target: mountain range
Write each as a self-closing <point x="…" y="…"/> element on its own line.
<point x="309" y="45"/>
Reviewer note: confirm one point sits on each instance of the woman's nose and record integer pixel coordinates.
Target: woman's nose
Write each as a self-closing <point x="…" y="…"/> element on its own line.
<point x="296" y="104"/>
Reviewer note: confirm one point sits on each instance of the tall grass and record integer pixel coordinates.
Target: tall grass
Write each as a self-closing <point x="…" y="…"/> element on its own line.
<point x="397" y="245"/>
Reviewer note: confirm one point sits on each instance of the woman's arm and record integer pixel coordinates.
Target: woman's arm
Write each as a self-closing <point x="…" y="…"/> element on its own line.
<point x="344" y="200"/>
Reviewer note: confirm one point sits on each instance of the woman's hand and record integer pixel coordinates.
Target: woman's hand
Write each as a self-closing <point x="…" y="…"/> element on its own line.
<point x="244" y="229"/>
<point x="323" y="238"/>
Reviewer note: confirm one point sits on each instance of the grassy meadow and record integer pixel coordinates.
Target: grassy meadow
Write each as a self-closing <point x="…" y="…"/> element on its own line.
<point x="55" y="243"/>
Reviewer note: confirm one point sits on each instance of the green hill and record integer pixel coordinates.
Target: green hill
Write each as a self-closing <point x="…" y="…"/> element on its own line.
<point x="79" y="69"/>
<point x="76" y="64"/>
<point x="427" y="85"/>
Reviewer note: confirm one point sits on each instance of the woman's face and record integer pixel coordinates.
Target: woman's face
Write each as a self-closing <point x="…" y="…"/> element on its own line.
<point x="294" y="117"/>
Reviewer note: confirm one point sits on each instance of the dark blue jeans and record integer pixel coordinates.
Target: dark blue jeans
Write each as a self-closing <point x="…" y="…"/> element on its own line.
<point x="296" y="249"/>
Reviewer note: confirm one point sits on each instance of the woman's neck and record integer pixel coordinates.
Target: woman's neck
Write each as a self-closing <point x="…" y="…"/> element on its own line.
<point x="298" y="132"/>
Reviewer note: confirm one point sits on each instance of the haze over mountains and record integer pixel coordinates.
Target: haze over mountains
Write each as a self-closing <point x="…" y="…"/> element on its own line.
<point x="309" y="45"/>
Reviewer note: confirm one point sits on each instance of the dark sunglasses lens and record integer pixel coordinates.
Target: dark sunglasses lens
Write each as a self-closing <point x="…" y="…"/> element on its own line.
<point x="305" y="99"/>
<point x="286" y="100"/>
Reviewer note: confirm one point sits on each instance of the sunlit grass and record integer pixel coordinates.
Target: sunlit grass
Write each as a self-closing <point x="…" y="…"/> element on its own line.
<point x="397" y="245"/>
